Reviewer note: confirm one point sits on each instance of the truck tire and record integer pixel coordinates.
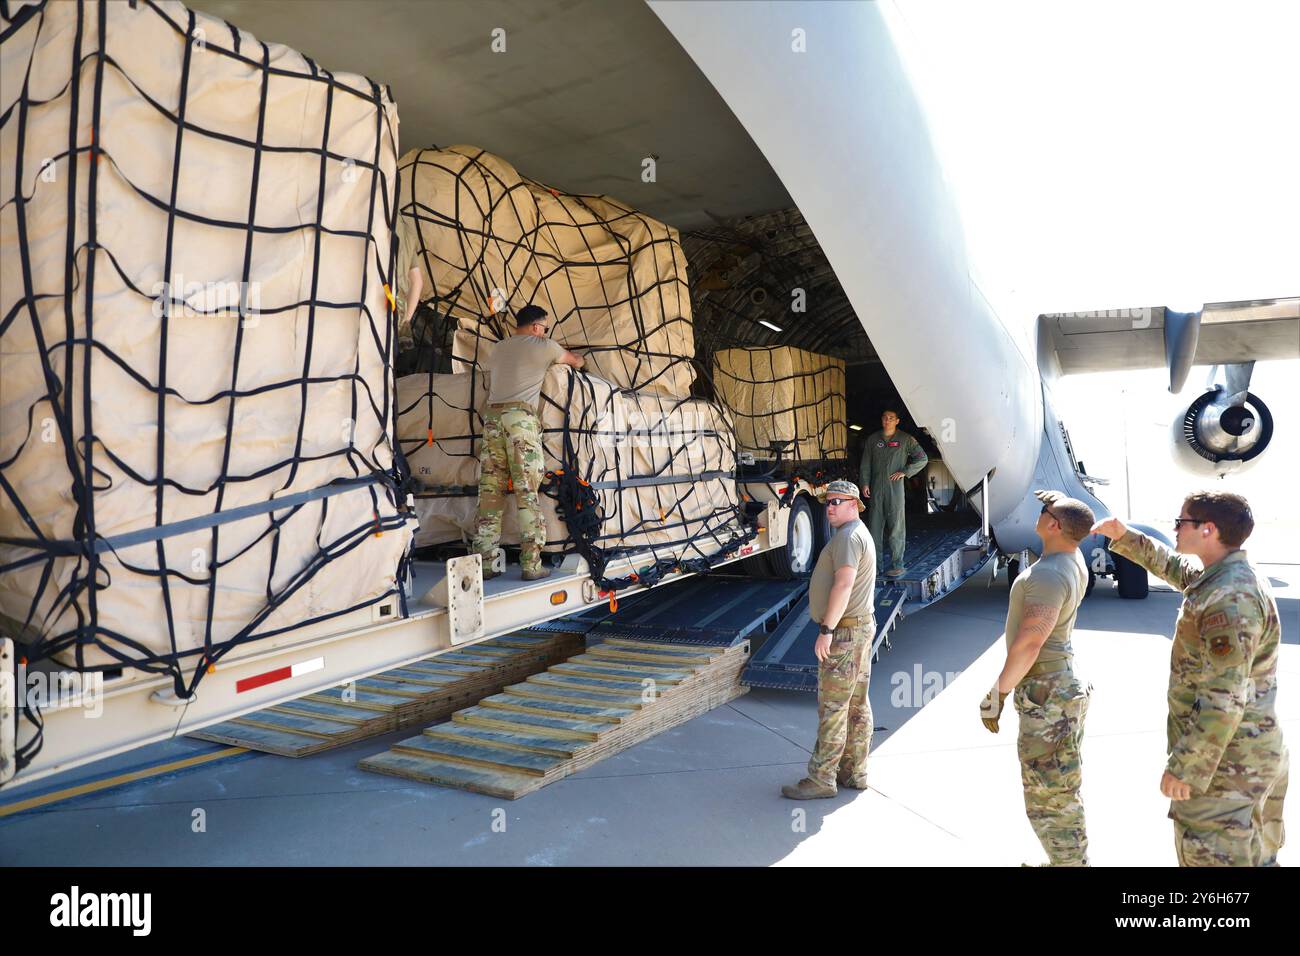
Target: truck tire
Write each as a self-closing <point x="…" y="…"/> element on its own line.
<point x="822" y="526"/>
<point x="795" y="558"/>
<point x="1130" y="578"/>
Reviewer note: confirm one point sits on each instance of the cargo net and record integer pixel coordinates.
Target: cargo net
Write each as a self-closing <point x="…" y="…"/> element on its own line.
<point x="634" y="464"/>
<point x="788" y="404"/>
<point x="195" y="339"/>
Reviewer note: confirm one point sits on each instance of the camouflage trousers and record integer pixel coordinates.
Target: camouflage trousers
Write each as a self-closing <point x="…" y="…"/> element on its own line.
<point x="1238" y="820"/>
<point x="843" y="708"/>
<point x="1052" y="709"/>
<point x="511" y="453"/>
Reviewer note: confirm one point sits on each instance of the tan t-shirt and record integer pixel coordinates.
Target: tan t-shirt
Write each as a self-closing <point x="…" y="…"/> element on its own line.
<point x="850" y="545"/>
<point x="518" y="366"/>
<point x="1059" y="580"/>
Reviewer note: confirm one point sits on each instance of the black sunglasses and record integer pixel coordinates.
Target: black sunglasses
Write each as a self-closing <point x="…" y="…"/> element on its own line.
<point x="1182" y="521"/>
<point x="838" y="501"/>
<point x="1048" y="511"/>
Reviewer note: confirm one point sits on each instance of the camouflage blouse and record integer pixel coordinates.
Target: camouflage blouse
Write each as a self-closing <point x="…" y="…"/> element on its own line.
<point x="1223" y="670"/>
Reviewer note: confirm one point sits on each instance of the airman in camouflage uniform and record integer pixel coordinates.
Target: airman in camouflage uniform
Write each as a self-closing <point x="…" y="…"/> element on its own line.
<point x="841" y="599"/>
<point x="1050" y="699"/>
<point x="1227" y="769"/>
<point x="510" y="454"/>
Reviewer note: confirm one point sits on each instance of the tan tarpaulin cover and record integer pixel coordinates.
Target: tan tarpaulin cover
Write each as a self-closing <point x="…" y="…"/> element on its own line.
<point x="340" y="416"/>
<point x="617" y="436"/>
<point x="490" y="241"/>
<point x="784" y="394"/>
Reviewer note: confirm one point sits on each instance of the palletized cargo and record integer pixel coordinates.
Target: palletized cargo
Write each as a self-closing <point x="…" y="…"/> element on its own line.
<point x="663" y="469"/>
<point x="489" y="241"/>
<point x="195" y="359"/>
<point x="786" y="396"/>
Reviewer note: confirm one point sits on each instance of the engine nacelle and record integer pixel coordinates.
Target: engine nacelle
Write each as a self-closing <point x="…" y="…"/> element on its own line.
<point x="1219" y="436"/>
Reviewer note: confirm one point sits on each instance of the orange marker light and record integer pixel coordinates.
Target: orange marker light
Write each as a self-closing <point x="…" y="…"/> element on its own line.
<point x="559" y="597"/>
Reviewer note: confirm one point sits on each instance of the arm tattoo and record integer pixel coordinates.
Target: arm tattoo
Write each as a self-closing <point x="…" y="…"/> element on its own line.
<point x="1039" y="619"/>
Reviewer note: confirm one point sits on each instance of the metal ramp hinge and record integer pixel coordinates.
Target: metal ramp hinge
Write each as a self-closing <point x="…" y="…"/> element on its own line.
<point x="461" y="593"/>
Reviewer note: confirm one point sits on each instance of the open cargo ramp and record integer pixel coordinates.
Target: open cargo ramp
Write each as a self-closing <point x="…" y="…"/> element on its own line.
<point x="943" y="552"/>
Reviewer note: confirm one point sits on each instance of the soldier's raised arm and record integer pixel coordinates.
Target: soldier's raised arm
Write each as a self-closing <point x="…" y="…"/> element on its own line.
<point x="1230" y="628"/>
<point x="1170" y="567"/>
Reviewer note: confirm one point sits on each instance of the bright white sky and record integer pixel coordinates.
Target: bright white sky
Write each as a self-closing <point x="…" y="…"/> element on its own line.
<point x="1121" y="153"/>
<point x="1116" y="153"/>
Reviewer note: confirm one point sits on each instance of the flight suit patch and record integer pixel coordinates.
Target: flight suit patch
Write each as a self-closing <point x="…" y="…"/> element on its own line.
<point x="894" y="444"/>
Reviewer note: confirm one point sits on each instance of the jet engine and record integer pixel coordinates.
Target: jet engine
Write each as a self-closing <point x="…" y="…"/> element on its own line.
<point x="1221" y="432"/>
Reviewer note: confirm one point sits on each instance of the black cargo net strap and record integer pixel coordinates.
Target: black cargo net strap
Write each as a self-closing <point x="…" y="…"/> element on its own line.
<point x="72" y="605"/>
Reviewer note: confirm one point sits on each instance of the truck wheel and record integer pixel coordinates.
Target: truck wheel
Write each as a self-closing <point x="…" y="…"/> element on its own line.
<point x="822" y="523"/>
<point x="795" y="558"/>
<point x="1131" y="578"/>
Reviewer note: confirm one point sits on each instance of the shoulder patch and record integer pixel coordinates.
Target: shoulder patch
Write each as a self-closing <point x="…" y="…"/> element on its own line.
<point x="1221" y="646"/>
<point x="1218" y="619"/>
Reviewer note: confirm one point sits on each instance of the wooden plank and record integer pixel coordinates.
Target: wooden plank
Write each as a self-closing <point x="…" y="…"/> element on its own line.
<point x="529" y="743"/>
<point x="280" y="742"/>
<point x="476" y="755"/>
<point x="420" y="675"/>
<point x="315" y="708"/>
<point x="368" y="699"/>
<point x="569" y="695"/>
<point x="315" y="726"/>
<point x="616" y="672"/>
<point x="417" y="693"/>
<point x="660" y="658"/>
<point x="514" y="721"/>
<point x="594" y="685"/>
<point x="395" y="688"/>
<point x="465" y="657"/>
<point x="509" y="786"/>
<point x="546" y="708"/>
<point x="644" y="667"/>
<point x="698" y="650"/>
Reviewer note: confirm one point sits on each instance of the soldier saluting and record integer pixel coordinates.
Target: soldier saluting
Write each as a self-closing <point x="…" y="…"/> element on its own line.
<point x="890" y="456"/>
<point x="511" y="449"/>
<point x="1227" y="769"/>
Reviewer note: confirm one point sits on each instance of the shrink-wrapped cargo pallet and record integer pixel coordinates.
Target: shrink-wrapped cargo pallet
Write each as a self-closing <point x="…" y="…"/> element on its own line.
<point x="489" y="241"/>
<point x="784" y="395"/>
<point x="662" y="469"/>
<point x="195" y="375"/>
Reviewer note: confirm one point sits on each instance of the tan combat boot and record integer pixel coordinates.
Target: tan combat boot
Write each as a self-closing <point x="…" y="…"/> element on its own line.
<point x="807" y="789"/>
<point x="537" y="575"/>
<point x="853" y="783"/>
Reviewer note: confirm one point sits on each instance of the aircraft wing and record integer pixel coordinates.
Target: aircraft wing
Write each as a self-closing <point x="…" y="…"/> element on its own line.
<point x="1222" y="333"/>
